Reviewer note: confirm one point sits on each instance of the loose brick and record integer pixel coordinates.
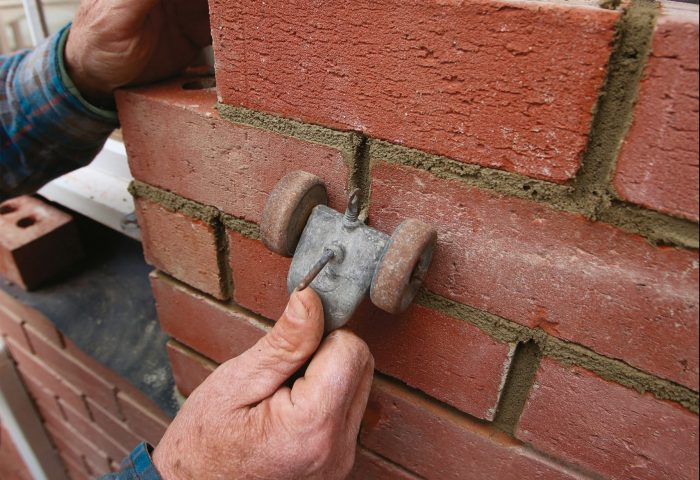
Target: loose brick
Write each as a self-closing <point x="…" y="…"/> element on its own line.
<point x="210" y="160"/>
<point x="445" y="357"/>
<point x="658" y="164"/>
<point x="222" y="332"/>
<point x="37" y="242"/>
<point x="259" y="276"/>
<point x="189" y="368"/>
<point x="182" y="246"/>
<point x="145" y="419"/>
<point x="605" y="427"/>
<point x="579" y="280"/>
<point x="116" y="428"/>
<point x="370" y="466"/>
<point x="514" y="91"/>
<point x="79" y="374"/>
<point x="436" y="443"/>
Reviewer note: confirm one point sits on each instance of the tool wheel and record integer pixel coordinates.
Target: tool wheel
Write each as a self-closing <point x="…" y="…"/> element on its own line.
<point x="403" y="266"/>
<point x="288" y="208"/>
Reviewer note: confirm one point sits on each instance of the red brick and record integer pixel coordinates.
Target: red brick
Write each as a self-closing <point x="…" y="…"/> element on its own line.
<point x="209" y="159"/>
<point x="14" y="314"/>
<point x="445" y="357"/>
<point x="11" y="324"/>
<point x="370" y="466"/>
<point x="116" y="428"/>
<point x="76" y="471"/>
<point x="45" y="400"/>
<point x="259" y="276"/>
<point x="658" y="164"/>
<point x="33" y="368"/>
<point x="37" y="242"/>
<point x="582" y="281"/>
<point x="189" y="368"/>
<point x="605" y="427"/>
<point x="145" y="419"/>
<point x="222" y="332"/>
<point x="182" y="246"/>
<point x="436" y="443"/>
<point x="68" y="440"/>
<point x="514" y="91"/>
<point x="79" y="374"/>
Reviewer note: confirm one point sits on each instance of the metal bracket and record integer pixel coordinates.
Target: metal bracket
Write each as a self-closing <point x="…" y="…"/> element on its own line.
<point x="340" y="257"/>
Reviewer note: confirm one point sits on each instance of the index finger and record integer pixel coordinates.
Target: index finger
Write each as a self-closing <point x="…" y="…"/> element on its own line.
<point x="333" y="376"/>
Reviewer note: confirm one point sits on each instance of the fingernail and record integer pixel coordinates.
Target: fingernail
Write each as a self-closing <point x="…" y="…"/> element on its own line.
<point x="296" y="308"/>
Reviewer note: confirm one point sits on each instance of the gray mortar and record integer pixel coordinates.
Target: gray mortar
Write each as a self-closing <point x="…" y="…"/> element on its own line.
<point x="244" y="227"/>
<point x="521" y="375"/>
<point x="497" y="327"/>
<point x="499" y="181"/>
<point x="174" y="203"/>
<point x="565" y="352"/>
<point x="222" y="259"/>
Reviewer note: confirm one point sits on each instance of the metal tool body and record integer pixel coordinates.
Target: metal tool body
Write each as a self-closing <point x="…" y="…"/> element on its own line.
<point x="339" y="256"/>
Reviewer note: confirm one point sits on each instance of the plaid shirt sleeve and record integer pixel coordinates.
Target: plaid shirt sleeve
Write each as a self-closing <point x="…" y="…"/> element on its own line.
<point x="46" y="127"/>
<point x="137" y="466"/>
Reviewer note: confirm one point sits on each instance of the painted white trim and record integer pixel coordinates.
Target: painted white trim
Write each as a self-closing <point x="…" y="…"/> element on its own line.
<point x="99" y="191"/>
<point x="35" y="20"/>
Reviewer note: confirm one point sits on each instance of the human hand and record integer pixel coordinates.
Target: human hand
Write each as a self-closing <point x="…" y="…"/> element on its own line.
<point x="115" y="43"/>
<point x="244" y="422"/>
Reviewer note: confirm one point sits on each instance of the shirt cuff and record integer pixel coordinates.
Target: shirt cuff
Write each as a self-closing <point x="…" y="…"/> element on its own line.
<point x="137" y="466"/>
<point x="107" y="115"/>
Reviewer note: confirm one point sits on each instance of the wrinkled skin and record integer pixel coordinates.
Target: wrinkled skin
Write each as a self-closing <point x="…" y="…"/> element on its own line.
<point x="244" y="422"/>
<point x="116" y="43"/>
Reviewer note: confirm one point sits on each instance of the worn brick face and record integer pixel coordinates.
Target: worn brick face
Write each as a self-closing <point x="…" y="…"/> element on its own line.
<point x="210" y="160"/>
<point x="578" y="280"/>
<point x="607" y="428"/>
<point x="182" y="246"/>
<point x="514" y="90"/>
<point x="658" y="164"/>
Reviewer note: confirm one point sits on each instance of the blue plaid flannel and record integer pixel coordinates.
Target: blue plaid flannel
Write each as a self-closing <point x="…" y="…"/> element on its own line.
<point x="46" y="130"/>
<point x="137" y="466"/>
<point x="46" y="127"/>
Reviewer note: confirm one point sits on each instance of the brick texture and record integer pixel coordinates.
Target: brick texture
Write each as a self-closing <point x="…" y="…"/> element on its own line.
<point x="514" y="91"/>
<point x="553" y="270"/>
<point x="222" y="333"/>
<point x="182" y="246"/>
<point x="443" y="356"/>
<point x="37" y="242"/>
<point x="658" y="164"/>
<point x="189" y="368"/>
<point x="608" y="428"/>
<point x="435" y="443"/>
<point x="370" y="466"/>
<point x="11" y="464"/>
<point x="231" y="167"/>
<point x="81" y="401"/>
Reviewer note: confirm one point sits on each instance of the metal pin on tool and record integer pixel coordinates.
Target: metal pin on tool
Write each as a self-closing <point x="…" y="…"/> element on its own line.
<point x="327" y="256"/>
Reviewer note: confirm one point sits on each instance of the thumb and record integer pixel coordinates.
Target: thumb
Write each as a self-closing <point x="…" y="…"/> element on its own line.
<point x="262" y="369"/>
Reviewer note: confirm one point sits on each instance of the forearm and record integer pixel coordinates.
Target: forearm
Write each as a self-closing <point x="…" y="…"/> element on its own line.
<point x="46" y="128"/>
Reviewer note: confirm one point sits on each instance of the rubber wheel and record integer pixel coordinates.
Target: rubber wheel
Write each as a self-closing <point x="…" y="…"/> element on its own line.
<point x="288" y="208"/>
<point x="403" y="266"/>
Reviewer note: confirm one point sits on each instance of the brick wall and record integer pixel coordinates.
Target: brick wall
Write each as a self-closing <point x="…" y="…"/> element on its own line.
<point x="554" y="147"/>
<point x="93" y="417"/>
